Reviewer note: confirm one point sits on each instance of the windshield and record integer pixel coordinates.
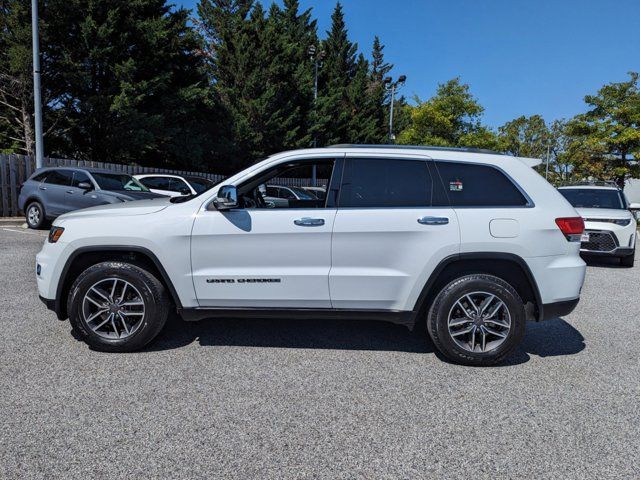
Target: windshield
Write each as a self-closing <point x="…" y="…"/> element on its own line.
<point x="593" y="198"/>
<point x="200" y="184"/>
<point x="118" y="181"/>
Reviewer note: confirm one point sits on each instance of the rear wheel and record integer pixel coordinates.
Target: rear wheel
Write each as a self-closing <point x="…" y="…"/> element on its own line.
<point x="628" y="261"/>
<point x="477" y="320"/>
<point x="117" y="307"/>
<point x="34" y="215"/>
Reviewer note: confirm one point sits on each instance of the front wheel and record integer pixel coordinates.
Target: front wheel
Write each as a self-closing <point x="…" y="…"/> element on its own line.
<point x="477" y="320"/>
<point x="117" y="306"/>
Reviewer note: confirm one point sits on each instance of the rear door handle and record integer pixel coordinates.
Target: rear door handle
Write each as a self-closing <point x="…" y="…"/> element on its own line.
<point x="433" y="220"/>
<point x="69" y="191"/>
<point x="309" y="222"/>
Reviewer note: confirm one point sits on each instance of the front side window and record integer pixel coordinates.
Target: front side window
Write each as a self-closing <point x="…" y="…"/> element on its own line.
<point x="59" y="177"/>
<point x="118" y="181"/>
<point x="473" y="185"/>
<point x="379" y="183"/>
<point x="593" y="198"/>
<point x="272" y="189"/>
<point x="80" y="177"/>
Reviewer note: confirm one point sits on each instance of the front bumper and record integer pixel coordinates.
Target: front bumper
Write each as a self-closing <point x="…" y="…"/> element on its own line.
<point x="558" y="309"/>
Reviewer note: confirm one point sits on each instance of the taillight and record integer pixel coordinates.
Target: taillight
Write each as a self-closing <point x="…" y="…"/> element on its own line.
<point x="571" y="227"/>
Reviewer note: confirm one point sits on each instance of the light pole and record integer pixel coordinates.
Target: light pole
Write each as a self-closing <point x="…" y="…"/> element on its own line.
<point x="391" y="85"/>
<point x="37" y="103"/>
<point x="316" y="57"/>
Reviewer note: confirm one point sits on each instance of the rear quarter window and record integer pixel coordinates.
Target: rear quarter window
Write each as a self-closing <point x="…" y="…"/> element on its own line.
<point x="472" y="185"/>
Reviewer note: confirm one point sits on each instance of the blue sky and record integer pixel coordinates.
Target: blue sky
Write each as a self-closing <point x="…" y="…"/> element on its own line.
<point x="519" y="57"/>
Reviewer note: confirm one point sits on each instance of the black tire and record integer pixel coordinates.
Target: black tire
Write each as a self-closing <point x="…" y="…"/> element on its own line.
<point x="38" y="211"/>
<point x="438" y="318"/>
<point x="628" y="260"/>
<point x="154" y="295"/>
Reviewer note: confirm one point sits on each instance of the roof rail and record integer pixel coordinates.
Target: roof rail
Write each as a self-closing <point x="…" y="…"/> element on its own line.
<point x="418" y="147"/>
<point x="592" y="183"/>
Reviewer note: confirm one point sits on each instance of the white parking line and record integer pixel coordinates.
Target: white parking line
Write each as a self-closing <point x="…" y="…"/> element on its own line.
<point x="21" y="231"/>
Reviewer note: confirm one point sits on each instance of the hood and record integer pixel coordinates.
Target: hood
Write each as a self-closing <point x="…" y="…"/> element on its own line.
<point x="139" y="207"/>
<point x="131" y="195"/>
<point x="614" y="213"/>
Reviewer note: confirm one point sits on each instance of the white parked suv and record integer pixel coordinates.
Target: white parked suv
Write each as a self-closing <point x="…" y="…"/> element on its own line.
<point x="610" y="225"/>
<point x="469" y="243"/>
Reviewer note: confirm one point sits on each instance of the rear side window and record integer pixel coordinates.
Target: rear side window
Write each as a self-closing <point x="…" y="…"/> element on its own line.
<point x="472" y="185"/>
<point x="59" y="177"/>
<point x="385" y="183"/>
<point x="159" y="183"/>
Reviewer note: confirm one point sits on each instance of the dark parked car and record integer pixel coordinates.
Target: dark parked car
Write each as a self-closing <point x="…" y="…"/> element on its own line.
<point x="50" y="192"/>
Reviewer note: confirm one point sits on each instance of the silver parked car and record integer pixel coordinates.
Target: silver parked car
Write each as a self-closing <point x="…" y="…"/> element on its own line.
<point x="50" y="192"/>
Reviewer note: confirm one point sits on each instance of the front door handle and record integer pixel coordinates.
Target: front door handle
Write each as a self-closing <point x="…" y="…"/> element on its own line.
<point x="42" y="188"/>
<point x="69" y="191"/>
<point x="309" y="222"/>
<point x="433" y="220"/>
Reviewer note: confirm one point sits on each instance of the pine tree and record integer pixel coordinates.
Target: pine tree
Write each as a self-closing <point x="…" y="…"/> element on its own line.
<point x="378" y="92"/>
<point x="332" y="116"/>
<point x="129" y="83"/>
<point x="363" y="106"/>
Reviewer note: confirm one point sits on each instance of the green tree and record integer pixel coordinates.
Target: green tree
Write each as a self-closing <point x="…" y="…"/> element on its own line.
<point x="128" y="81"/>
<point x="606" y="139"/>
<point x="16" y="98"/>
<point x="379" y="94"/>
<point x="450" y="118"/>
<point x="332" y="114"/>
<point x="526" y="137"/>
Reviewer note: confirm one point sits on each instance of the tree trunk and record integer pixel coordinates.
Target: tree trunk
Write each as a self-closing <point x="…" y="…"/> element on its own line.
<point x="27" y="129"/>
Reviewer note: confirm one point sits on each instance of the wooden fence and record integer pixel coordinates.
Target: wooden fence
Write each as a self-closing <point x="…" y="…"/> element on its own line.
<point x="15" y="169"/>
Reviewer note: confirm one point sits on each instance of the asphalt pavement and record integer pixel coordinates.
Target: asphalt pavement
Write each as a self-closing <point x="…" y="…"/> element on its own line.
<point x="317" y="399"/>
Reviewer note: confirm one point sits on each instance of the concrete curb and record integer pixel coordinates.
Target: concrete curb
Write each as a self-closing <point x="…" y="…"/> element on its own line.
<point x="12" y="222"/>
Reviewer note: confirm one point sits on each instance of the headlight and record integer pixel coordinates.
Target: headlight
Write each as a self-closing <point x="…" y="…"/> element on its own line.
<point x="622" y="223"/>
<point x="55" y="233"/>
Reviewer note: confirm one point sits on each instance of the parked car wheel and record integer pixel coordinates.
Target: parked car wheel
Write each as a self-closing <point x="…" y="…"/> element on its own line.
<point x="477" y="320"/>
<point x="117" y="307"/>
<point x="628" y="261"/>
<point x="34" y="213"/>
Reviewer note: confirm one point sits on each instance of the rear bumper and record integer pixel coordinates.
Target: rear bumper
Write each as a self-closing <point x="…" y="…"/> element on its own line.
<point x="618" y="252"/>
<point x="558" y="309"/>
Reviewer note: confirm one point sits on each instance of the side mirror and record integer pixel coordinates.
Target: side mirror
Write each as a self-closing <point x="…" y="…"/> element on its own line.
<point x="85" y="186"/>
<point x="635" y="209"/>
<point x="227" y="198"/>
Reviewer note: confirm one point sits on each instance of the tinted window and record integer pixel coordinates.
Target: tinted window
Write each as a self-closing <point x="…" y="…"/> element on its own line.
<point x="118" y="181"/>
<point x="200" y="184"/>
<point x="178" y="185"/>
<point x="159" y="183"/>
<point x="471" y="185"/>
<point x="593" y="198"/>
<point x="385" y="183"/>
<point x="59" y="177"/>
<point x="40" y="177"/>
<point x="79" y="177"/>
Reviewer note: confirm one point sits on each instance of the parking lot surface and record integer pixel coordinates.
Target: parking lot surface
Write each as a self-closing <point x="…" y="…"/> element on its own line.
<point x="317" y="399"/>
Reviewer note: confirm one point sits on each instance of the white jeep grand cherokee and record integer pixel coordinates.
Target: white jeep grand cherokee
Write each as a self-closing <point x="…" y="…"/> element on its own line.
<point x="471" y="243"/>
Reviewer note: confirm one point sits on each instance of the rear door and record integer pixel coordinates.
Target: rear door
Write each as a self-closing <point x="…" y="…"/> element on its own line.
<point x="54" y="191"/>
<point x="389" y="233"/>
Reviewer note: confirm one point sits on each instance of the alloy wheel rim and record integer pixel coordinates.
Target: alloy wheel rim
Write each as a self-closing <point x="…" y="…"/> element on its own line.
<point x="33" y="215"/>
<point x="113" y="308"/>
<point x="479" y="322"/>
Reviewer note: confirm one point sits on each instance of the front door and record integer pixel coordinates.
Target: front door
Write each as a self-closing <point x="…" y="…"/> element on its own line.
<point x="265" y="256"/>
<point x="392" y="228"/>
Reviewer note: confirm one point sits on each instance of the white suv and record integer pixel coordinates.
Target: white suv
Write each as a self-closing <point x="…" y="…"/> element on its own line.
<point x="610" y="226"/>
<point x="470" y="243"/>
